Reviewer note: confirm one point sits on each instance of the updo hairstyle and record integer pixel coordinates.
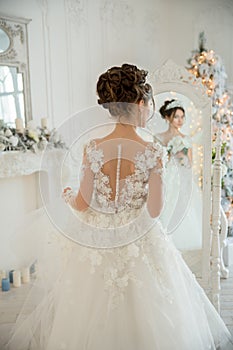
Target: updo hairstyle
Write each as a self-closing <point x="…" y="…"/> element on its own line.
<point x="120" y="88"/>
<point x="165" y="111"/>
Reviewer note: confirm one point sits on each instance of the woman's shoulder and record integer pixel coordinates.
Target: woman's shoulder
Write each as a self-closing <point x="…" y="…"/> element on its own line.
<point x="93" y="143"/>
<point x="184" y="136"/>
<point x="115" y="140"/>
<point x="160" y="137"/>
<point x="187" y="138"/>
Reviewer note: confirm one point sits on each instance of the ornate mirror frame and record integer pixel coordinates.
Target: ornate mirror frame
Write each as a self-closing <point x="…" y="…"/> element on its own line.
<point x="171" y="77"/>
<point x="16" y="55"/>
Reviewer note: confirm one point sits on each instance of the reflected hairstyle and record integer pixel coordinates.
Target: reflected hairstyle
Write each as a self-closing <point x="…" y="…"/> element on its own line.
<point x="165" y="111"/>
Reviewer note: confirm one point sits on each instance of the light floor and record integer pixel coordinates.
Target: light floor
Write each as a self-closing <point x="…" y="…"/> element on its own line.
<point x="12" y="301"/>
<point x="226" y="300"/>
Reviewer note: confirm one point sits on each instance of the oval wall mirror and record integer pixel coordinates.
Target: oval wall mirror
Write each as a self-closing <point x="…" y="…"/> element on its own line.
<point x="4" y="41"/>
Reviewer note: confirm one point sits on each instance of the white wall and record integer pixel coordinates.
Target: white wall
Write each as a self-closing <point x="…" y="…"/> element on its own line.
<point x="72" y="41"/>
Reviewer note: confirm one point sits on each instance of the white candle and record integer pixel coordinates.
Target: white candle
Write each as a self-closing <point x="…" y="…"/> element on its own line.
<point x="35" y="268"/>
<point x="19" y="125"/>
<point x="2" y="275"/>
<point x="44" y="123"/>
<point x="26" y="275"/>
<point x="16" y="278"/>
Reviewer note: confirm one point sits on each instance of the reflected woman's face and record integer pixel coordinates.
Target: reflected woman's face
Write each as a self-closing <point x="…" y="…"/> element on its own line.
<point x="178" y="119"/>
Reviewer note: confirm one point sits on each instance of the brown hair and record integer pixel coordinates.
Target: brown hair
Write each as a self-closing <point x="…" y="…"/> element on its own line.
<point x="165" y="111"/>
<point x="121" y="86"/>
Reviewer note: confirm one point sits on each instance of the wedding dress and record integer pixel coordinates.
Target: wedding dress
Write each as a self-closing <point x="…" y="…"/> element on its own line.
<point x="135" y="296"/>
<point x="182" y="215"/>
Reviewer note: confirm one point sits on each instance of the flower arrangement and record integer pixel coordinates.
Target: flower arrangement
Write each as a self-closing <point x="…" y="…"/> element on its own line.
<point x="178" y="146"/>
<point x="32" y="138"/>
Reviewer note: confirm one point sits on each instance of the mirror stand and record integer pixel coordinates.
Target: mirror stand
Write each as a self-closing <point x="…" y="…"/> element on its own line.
<point x="204" y="262"/>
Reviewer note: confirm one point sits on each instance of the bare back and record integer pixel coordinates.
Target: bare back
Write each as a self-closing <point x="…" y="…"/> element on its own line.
<point x="129" y="149"/>
<point x="123" y="172"/>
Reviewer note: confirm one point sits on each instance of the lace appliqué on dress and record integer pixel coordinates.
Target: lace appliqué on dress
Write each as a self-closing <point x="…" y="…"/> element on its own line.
<point x="117" y="268"/>
<point x="117" y="265"/>
<point x="135" y="191"/>
<point x="95" y="156"/>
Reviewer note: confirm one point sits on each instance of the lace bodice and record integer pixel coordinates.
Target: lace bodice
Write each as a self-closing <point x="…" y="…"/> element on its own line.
<point x="134" y="191"/>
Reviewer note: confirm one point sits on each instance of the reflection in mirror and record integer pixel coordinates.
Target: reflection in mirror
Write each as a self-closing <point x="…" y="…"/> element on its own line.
<point x="4" y="41"/>
<point x="181" y="134"/>
<point x="15" y="91"/>
<point x="11" y="95"/>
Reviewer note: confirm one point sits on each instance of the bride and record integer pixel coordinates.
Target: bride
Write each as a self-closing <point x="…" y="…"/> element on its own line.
<point x="129" y="289"/>
<point x="183" y="201"/>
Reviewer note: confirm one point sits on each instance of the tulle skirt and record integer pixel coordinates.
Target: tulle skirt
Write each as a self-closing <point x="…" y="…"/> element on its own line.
<point x="182" y="214"/>
<point x="135" y="297"/>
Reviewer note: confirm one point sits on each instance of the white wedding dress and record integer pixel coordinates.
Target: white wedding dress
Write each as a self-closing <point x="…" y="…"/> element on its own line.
<point x="138" y="296"/>
<point x="182" y="215"/>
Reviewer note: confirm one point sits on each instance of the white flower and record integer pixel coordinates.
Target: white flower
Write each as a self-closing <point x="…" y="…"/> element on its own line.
<point x="8" y="133"/>
<point x="177" y="144"/>
<point x="105" y="179"/>
<point x="14" y="141"/>
<point x="140" y="160"/>
<point x="133" y="250"/>
<point x="33" y="135"/>
<point x="2" y="147"/>
<point x="122" y="282"/>
<point x="95" y="167"/>
<point x="137" y="186"/>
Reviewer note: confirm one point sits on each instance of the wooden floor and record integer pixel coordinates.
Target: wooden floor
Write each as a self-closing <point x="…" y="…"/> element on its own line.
<point x="227" y="300"/>
<point x="12" y="301"/>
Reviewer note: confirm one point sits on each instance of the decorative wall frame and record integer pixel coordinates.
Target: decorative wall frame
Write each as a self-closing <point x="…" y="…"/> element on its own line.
<point x="16" y="54"/>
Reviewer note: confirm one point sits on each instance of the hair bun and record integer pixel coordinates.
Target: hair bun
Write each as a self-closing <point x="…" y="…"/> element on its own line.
<point x="162" y="109"/>
<point x="123" y="84"/>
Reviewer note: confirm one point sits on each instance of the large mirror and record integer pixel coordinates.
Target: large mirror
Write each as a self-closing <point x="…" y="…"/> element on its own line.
<point x="15" y="94"/>
<point x="183" y="178"/>
<point x="187" y="212"/>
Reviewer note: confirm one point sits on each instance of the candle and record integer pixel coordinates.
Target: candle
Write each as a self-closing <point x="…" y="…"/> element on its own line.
<point x="16" y="278"/>
<point x="26" y="275"/>
<point x="11" y="276"/>
<point x="34" y="268"/>
<point x="2" y="275"/>
<point x="5" y="284"/>
<point x="19" y="125"/>
<point x="44" y="123"/>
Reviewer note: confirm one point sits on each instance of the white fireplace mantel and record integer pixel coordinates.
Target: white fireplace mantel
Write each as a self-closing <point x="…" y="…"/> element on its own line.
<point x="18" y="163"/>
<point x="27" y="181"/>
